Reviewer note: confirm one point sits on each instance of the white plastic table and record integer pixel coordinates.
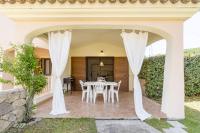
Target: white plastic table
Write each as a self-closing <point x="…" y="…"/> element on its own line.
<point x="91" y="83"/>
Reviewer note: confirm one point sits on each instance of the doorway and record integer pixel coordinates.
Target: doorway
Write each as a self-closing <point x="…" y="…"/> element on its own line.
<point x="99" y="67"/>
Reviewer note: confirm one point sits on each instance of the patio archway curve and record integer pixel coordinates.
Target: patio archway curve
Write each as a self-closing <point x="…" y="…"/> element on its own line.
<point x="160" y="32"/>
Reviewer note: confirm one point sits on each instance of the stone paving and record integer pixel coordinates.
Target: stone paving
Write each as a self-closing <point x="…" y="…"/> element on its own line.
<point x="177" y="127"/>
<point x="135" y="126"/>
<point x="123" y="109"/>
<point x="124" y="126"/>
<point x="174" y="130"/>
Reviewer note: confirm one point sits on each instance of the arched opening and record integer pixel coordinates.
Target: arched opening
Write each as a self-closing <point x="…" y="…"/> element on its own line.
<point x="90" y="42"/>
<point x="39" y="32"/>
<point x="156" y="48"/>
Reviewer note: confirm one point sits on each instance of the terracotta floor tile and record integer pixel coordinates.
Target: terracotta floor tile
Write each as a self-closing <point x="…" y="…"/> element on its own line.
<point x="77" y="108"/>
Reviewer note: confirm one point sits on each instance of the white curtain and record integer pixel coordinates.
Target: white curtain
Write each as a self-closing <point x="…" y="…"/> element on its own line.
<point x="59" y="45"/>
<point x="135" y="45"/>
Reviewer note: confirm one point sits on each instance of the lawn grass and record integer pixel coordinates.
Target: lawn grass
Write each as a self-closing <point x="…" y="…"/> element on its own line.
<point x="191" y="99"/>
<point x="158" y="124"/>
<point x="87" y="125"/>
<point x="192" y="120"/>
<point x="56" y="125"/>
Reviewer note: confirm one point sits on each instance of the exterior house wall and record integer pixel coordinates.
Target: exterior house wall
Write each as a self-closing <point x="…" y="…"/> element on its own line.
<point x="7" y="77"/>
<point x="173" y="87"/>
<point x="10" y="55"/>
<point x="116" y="50"/>
<point x="58" y="11"/>
<point x="166" y="29"/>
<point x="7" y="31"/>
<point x="40" y="43"/>
<point x="29" y="30"/>
<point x="94" y="49"/>
<point x="171" y="29"/>
<point x="83" y="50"/>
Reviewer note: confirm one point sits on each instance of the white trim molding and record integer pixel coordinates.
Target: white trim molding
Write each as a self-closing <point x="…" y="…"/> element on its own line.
<point x="55" y="12"/>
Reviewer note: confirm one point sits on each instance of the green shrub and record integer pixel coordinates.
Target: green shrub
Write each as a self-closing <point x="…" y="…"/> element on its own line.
<point x="192" y="75"/>
<point x="153" y="72"/>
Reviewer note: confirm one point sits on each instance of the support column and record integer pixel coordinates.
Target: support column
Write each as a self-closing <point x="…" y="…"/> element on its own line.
<point x="173" y="87"/>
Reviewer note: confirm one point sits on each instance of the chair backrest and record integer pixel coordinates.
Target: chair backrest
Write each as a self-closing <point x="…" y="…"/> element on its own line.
<point x="99" y="86"/>
<point x="118" y="85"/>
<point x="101" y="79"/>
<point x="82" y="84"/>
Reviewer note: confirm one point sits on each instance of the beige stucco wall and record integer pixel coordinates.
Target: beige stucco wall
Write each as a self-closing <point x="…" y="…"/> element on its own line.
<point x="107" y="11"/>
<point x="92" y="49"/>
<point x="10" y="55"/>
<point x="116" y="50"/>
<point x="169" y="29"/>
<point x="28" y="30"/>
<point x="39" y="42"/>
<point x="7" y="31"/>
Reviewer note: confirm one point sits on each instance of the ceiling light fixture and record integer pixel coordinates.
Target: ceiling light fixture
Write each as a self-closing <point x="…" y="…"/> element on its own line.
<point x="101" y="53"/>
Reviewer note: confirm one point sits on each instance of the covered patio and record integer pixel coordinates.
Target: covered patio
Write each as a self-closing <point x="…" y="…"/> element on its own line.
<point x="129" y="29"/>
<point x="122" y="110"/>
<point x="74" y="32"/>
<point x="70" y="57"/>
<point x="87" y="50"/>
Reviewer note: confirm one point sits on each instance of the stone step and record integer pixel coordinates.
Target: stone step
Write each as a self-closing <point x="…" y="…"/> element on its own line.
<point x="124" y="126"/>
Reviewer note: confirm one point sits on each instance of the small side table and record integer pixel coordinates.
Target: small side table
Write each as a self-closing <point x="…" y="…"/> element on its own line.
<point x="68" y="81"/>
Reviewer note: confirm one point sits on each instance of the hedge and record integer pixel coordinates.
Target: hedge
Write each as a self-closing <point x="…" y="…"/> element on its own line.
<point x="153" y="72"/>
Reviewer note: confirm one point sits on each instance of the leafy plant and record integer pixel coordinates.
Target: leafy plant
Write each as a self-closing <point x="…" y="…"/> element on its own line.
<point x="192" y="75"/>
<point x="153" y="72"/>
<point x="23" y="68"/>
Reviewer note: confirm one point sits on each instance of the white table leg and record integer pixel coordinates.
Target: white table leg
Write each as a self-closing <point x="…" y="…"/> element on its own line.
<point x="106" y="94"/>
<point x="112" y="93"/>
<point x="109" y="96"/>
<point x="88" y="93"/>
<point x="91" y="95"/>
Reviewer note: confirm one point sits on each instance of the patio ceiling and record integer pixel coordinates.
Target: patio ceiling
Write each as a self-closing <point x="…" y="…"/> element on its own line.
<point x="84" y="37"/>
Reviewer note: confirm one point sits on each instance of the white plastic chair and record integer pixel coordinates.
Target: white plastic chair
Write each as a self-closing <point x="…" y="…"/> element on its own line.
<point x="84" y="89"/>
<point x="100" y="88"/>
<point x="115" y="91"/>
<point x="101" y="79"/>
